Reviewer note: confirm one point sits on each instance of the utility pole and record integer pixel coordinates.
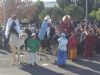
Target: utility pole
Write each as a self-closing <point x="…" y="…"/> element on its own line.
<point x="86" y="16"/>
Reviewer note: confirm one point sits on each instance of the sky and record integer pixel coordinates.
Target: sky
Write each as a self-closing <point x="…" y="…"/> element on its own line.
<point x="45" y="0"/>
<point x="48" y="0"/>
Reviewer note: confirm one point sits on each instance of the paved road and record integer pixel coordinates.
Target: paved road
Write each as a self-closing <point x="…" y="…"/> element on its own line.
<point x="80" y="67"/>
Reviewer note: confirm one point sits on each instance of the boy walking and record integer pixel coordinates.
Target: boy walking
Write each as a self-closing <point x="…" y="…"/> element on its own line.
<point x="62" y="50"/>
<point x="33" y="46"/>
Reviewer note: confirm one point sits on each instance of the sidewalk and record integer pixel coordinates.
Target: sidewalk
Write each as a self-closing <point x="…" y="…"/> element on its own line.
<point x="81" y="67"/>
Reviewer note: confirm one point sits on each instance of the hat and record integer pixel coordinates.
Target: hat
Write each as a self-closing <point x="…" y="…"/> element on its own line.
<point x="62" y="34"/>
<point x="33" y="34"/>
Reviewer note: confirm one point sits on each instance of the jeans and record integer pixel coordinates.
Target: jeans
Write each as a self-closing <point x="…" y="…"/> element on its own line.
<point x="62" y="56"/>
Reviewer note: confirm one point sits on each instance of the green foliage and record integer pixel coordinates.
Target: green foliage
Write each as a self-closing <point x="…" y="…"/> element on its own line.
<point x="95" y="15"/>
<point x="97" y="4"/>
<point x="98" y="14"/>
<point x="82" y="3"/>
<point x="43" y="13"/>
<point x="40" y="7"/>
<point x="55" y="13"/>
<point x="76" y="12"/>
<point x="63" y="3"/>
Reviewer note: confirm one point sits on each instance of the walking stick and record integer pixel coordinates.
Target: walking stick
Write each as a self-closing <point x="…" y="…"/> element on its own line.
<point x="40" y="50"/>
<point x="19" y="49"/>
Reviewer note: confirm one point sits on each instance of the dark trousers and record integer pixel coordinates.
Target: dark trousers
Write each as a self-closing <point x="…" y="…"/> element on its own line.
<point x="6" y="43"/>
<point x="46" y="44"/>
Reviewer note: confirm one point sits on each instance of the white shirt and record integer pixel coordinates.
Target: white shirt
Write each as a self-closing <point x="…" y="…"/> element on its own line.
<point x="48" y="31"/>
<point x="9" y="22"/>
<point x="62" y="43"/>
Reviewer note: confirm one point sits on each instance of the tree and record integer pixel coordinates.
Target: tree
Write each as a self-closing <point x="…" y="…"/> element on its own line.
<point x="76" y="12"/>
<point x="40" y="7"/>
<point x="92" y="15"/>
<point x="82" y="3"/>
<point x="55" y="13"/>
<point x="98" y="14"/>
<point x="95" y="14"/>
<point x="97" y="4"/>
<point x="10" y="7"/>
<point x="63" y="3"/>
<point x="43" y="13"/>
<point x="27" y="12"/>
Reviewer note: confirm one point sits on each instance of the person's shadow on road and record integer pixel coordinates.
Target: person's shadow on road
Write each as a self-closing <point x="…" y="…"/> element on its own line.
<point x="90" y="66"/>
<point x="37" y="70"/>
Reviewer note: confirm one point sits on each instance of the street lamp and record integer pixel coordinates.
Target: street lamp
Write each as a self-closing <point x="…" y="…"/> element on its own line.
<point x="75" y="1"/>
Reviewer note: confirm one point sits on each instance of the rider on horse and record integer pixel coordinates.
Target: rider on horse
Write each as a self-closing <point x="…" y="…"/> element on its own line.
<point x="12" y="26"/>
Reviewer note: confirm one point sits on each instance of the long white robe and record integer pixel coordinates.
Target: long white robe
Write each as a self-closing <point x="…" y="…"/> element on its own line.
<point x="9" y="22"/>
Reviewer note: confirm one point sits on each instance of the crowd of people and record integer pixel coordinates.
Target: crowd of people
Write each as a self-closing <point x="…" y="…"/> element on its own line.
<point x="81" y="39"/>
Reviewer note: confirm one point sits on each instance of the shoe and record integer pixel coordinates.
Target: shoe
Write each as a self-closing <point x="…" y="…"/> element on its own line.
<point x="59" y="65"/>
<point x="35" y="64"/>
<point x="30" y="64"/>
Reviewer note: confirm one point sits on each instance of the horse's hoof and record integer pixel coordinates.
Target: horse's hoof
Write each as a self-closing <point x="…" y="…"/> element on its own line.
<point x="18" y="63"/>
<point x="11" y="63"/>
<point x="40" y="59"/>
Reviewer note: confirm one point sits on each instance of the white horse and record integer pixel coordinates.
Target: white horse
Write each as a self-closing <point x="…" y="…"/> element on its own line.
<point x="15" y="43"/>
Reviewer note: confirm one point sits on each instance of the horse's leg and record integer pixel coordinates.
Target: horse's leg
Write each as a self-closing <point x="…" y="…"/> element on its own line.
<point x="54" y="51"/>
<point x="40" y="49"/>
<point x="16" y="54"/>
<point x="45" y="53"/>
<point x="13" y="54"/>
<point x="18" y="58"/>
<point x="14" y="57"/>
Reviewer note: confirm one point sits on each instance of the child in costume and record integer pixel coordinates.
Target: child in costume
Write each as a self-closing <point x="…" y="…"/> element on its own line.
<point x="62" y="50"/>
<point x="33" y="46"/>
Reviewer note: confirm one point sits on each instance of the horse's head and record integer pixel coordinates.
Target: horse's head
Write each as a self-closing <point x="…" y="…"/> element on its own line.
<point x="23" y="36"/>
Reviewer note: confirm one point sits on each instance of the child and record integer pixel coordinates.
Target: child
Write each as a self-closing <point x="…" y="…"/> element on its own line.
<point x="72" y="46"/>
<point x="33" y="46"/>
<point x="62" y="50"/>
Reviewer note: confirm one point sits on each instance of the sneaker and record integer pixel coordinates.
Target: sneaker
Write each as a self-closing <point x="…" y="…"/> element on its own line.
<point x="35" y="64"/>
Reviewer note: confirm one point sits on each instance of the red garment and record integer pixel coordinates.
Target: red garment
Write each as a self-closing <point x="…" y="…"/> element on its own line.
<point x="72" y="42"/>
<point x="89" y="45"/>
<point x="65" y="28"/>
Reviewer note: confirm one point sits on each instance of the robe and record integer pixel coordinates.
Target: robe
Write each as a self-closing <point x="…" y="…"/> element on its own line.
<point x="89" y="45"/>
<point x="43" y="30"/>
<point x="65" y="28"/>
<point x="9" y="23"/>
<point x="72" y="48"/>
